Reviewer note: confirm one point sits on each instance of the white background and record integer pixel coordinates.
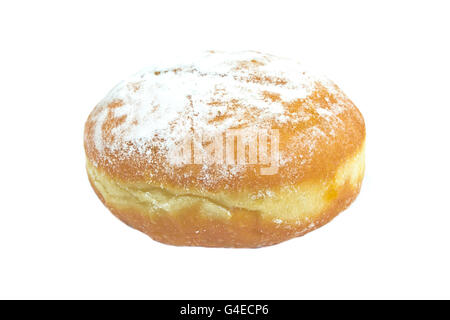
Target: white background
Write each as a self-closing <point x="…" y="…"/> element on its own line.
<point x="59" y="58"/>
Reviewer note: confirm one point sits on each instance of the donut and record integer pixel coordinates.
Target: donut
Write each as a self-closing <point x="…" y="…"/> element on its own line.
<point x="241" y="150"/>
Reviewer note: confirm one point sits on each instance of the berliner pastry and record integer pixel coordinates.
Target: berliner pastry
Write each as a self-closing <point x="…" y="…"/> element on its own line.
<point x="229" y="150"/>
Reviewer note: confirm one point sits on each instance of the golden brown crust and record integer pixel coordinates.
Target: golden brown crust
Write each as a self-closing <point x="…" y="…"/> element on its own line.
<point x="245" y="228"/>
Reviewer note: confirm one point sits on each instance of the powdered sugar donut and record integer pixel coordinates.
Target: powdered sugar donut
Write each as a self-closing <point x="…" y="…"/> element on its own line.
<point x="232" y="150"/>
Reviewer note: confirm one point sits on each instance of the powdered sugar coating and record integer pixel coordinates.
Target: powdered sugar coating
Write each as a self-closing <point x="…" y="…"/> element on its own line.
<point x="157" y="107"/>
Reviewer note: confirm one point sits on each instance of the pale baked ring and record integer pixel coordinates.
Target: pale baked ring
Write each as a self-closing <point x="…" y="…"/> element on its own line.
<point x="232" y="150"/>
